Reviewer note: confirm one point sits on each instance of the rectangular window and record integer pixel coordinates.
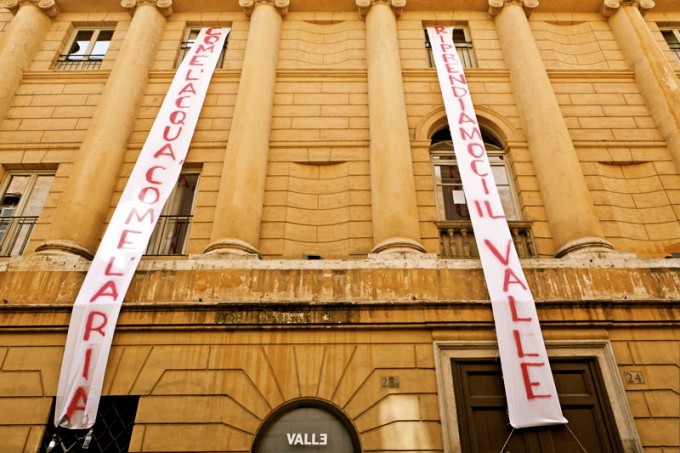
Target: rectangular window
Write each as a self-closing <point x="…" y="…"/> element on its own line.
<point x="463" y="43"/>
<point x="172" y="230"/>
<point x="672" y="38"/>
<point x="111" y="432"/>
<point x="23" y="197"/>
<point x="86" y="49"/>
<point x="189" y="39"/>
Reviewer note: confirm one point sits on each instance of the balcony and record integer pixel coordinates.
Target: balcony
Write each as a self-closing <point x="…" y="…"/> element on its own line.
<point x="79" y="63"/>
<point x="14" y="233"/>
<point x="457" y="239"/>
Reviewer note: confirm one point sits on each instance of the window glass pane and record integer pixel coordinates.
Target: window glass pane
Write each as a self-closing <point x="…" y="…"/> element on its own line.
<point x="671" y="38"/>
<point x="102" y="45"/>
<point x="80" y="44"/>
<point x="182" y="198"/>
<point x="12" y="196"/>
<point x="38" y="195"/>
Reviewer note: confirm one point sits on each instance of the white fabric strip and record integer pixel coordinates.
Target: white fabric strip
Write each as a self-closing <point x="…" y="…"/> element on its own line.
<point x="529" y="384"/>
<point x="96" y="309"/>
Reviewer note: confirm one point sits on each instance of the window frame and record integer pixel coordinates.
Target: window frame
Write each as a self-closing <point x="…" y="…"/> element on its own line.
<point x="675" y="48"/>
<point x="465" y="49"/>
<point x="498" y="157"/>
<point x="18" y="211"/>
<point x="187" y="43"/>
<point x="599" y="350"/>
<point x="67" y="60"/>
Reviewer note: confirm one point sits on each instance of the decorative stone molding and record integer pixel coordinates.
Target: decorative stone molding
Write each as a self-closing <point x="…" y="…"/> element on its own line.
<point x="249" y="5"/>
<point x="496" y="6"/>
<point x="609" y="7"/>
<point x="231" y="248"/>
<point x="365" y="5"/>
<point x="164" y="6"/>
<point x="64" y="248"/>
<point x="49" y="7"/>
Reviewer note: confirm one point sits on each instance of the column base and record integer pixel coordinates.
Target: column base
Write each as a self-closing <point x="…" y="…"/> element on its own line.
<point x="401" y="247"/>
<point x="63" y="248"/>
<point x="231" y="248"/>
<point x="585" y="246"/>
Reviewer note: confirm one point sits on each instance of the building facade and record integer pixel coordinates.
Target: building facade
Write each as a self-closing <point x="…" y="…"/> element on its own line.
<point x="313" y="283"/>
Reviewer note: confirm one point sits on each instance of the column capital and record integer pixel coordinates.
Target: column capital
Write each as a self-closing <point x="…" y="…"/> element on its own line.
<point x="249" y="5"/>
<point x="365" y="5"/>
<point x="49" y="7"/>
<point x="164" y="6"/>
<point x="609" y="7"/>
<point x="496" y="6"/>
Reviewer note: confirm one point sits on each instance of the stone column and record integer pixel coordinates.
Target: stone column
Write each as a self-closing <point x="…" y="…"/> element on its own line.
<point x="568" y="206"/>
<point x="32" y="19"/>
<point x="393" y="195"/>
<point x="656" y="78"/>
<point x="238" y="217"/>
<point x="78" y="223"/>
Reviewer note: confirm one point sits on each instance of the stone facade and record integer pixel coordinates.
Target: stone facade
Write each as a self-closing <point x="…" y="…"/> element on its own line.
<point x="214" y="339"/>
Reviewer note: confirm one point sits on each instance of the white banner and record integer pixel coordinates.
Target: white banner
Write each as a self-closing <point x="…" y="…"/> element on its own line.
<point x="529" y="385"/>
<point x="95" y="311"/>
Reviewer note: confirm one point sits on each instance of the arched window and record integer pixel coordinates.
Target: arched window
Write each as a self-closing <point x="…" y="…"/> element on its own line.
<point x="449" y="187"/>
<point x="455" y="227"/>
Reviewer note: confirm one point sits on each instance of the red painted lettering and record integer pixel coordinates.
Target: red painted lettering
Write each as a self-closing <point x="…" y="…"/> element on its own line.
<point x="150" y="172"/>
<point x="513" y="311"/>
<point x="86" y="365"/>
<point x="460" y="79"/>
<point x="479" y="147"/>
<point x="124" y="240"/>
<point x="528" y="383"/>
<point x="166" y="133"/>
<point x="520" y="348"/>
<point x="109" y="268"/>
<point x="155" y="194"/>
<point x="459" y="92"/>
<point x="440" y="30"/>
<point x="133" y="212"/>
<point x="166" y="150"/>
<point x="503" y="259"/>
<point x="471" y="136"/>
<point x="179" y="104"/>
<point x="189" y="75"/>
<point x="188" y="88"/>
<point x="178" y="117"/>
<point x="464" y="118"/>
<point x="74" y="406"/>
<point x="450" y="57"/>
<point x="108" y="289"/>
<point x="195" y="60"/>
<point x="475" y="170"/>
<point x="512" y="279"/>
<point x="90" y="324"/>
<point x="489" y="210"/>
<point x="206" y="49"/>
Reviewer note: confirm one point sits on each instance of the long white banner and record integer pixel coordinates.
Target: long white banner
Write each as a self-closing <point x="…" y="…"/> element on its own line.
<point x="96" y="309"/>
<point x="529" y="384"/>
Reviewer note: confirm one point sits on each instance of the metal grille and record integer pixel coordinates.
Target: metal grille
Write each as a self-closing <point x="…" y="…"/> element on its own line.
<point x="14" y="234"/>
<point x="466" y="53"/>
<point x="111" y="432"/>
<point x="69" y="63"/>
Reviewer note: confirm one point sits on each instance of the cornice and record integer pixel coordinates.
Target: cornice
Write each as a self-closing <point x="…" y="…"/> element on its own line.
<point x="249" y="5"/>
<point x="496" y="6"/>
<point x="365" y="5"/>
<point x="164" y="6"/>
<point x="609" y="7"/>
<point x="49" y="7"/>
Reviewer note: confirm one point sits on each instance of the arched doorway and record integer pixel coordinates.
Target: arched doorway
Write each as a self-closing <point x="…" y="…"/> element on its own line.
<point x="308" y="425"/>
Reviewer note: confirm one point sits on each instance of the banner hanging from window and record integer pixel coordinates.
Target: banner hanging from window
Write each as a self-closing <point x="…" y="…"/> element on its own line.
<point x="529" y="384"/>
<point x="96" y="309"/>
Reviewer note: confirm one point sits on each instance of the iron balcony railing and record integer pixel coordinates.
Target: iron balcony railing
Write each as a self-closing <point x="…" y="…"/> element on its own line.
<point x="79" y="62"/>
<point x="14" y="233"/>
<point x="170" y="235"/>
<point x="457" y="239"/>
